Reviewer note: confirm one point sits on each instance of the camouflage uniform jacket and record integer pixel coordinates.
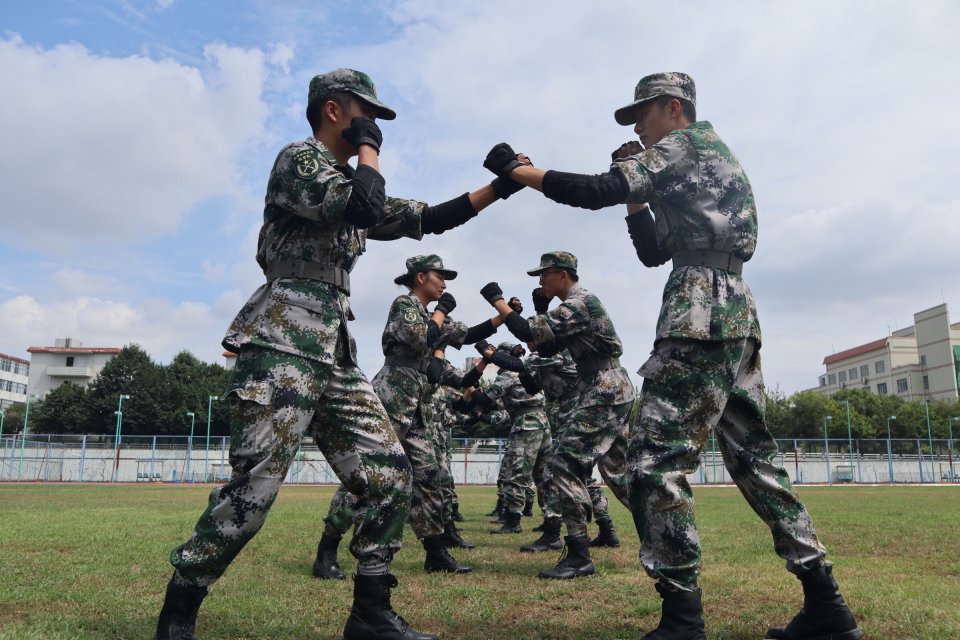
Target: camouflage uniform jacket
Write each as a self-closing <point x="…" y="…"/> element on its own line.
<point x="702" y="200"/>
<point x="581" y="324"/>
<point x="401" y="384"/>
<point x="527" y="412"/>
<point x="303" y="221"/>
<point x="557" y="376"/>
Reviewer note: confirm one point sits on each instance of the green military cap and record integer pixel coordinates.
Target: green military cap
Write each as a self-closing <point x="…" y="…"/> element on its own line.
<point x="420" y="264"/>
<point x="356" y="82"/>
<point x="555" y="260"/>
<point x="507" y="346"/>
<point x="671" y="83"/>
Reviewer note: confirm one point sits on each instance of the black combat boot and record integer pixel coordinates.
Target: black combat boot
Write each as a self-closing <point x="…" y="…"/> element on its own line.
<point x="372" y="617"/>
<point x="178" y="616"/>
<point x="574" y="560"/>
<point x="607" y="536"/>
<point x="439" y="559"/>
<point x="549" y="541"/>
<point x="528" y="508"/>
<point x="500" y="515"/>
<point x="825" y="616"/>
<point x="452" y="539"/>
<point x="325" y="566"/>
<point x="457" y="516"/>
<point x="511" y="523"/>
<point x="681" y="616"/>
<point x="496" y="509"/>
<point x="540" y="527"/>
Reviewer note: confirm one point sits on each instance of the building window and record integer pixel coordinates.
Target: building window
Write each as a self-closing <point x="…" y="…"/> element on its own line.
<point x="69" y="361"/>
<point x="926" y="383"/>
<point x="6" y="365"/>
<point x="882" y="388"/>
<point x="853" y="373"/>
<point x="879" y="366"/>
<point x="923" y="360"/>
<point x="833" y="378"/>
<point x="902" y="385"/>
<point x="823" y="381"/>
<point x="842" y="376"/>
<point x="864" y="370"/>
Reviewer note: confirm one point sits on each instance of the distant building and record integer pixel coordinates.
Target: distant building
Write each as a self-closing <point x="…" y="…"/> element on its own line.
<point x="13" y="380"/>
<point x="230" y="360"/>
<point x="918" y="362"/>
<point x="67" y="361"/>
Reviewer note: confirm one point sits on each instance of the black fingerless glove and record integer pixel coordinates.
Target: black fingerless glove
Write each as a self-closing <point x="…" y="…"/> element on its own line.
<point x="363" y="130"/>
<point x="540" y="302"/>
<point x="501" y="160"/>
<point x="447" y="303"/>
<point x="505" y="187"/>
<point x="492" y="292"/>
<point x="482" y="346"/>
<point x="515" y="304"/>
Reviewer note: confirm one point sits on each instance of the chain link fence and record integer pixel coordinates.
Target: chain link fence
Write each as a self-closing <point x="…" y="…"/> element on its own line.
<point x="65" y="458"/>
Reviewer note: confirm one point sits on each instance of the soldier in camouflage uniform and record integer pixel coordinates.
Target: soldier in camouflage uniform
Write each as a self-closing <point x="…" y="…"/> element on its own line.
<point x="704" y="372"/>
<point x="448" y="419"/>
<point x="297" y="373"/>
<point x="557" y="376"/>
<point x="596" y="429"/>
<point x="529" y="439"/>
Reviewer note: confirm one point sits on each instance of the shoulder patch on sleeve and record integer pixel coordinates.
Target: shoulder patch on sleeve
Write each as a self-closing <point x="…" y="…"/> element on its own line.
<point x="410" y="316"/>
<point x="306" y="163"/>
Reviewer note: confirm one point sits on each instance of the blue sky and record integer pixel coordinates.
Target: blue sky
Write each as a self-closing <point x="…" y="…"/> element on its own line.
<point x="138" y="137"/>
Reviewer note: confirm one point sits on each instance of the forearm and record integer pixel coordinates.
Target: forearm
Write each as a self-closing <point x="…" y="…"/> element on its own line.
<point x="482" y="198"/>
<point x="643" y="234"/>
<point x="529" y="176"/>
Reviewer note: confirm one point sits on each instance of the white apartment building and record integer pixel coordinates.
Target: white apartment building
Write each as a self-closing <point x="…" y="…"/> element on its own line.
<point x="918" y="362"/>
<point x="67" y="361"/>
<point x="13" y="380"/>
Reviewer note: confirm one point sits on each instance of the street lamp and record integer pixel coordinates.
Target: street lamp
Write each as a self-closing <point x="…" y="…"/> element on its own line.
<point x="849" y="438"/>
<point x="189" y="445"/>
<point x="949" y="448"/>
<point x="826" y="445"/>
<point x="206" y="460"/>
<point x="116" y="437"/>
<point x="890" y="447"/>
<point x="23" y="436"/>
<point x="933" y="469"/>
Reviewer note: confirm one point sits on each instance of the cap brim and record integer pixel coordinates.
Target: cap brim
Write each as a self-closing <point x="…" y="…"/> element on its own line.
<point x="383" y="111"/>
<point x="537" y="271"/>
<point x="446" y="273"/>
<point x="627" y="115"/>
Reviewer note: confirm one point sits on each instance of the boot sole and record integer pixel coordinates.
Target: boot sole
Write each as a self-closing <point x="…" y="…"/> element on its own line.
<point x="605" y="545"/>
<point x="577" y="574"/>
<point x="448" y="570"/>
<point x="854" y="634"/>
<point x="541" y="549"/>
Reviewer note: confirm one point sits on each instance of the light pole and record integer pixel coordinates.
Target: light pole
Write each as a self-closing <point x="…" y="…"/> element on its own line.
<point x="189" y="445"/>
<point x="23" y="436"/>
<point x="2" y="456"/>
<point x="890" y="447"/>
<point x="826" y="445"/>
<point x="116" y="436"/>
<point x="849" y="437"/>
<point x="206" y="460"/>
<point x="933" y="472"/>
<point x="950" y="448"/>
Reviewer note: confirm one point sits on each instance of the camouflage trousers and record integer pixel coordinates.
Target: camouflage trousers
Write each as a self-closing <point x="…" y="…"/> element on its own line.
<point x="448" y="489"/>
<point x="588" y="437"/>
<point x="690" y="388"/>
<point x="551" y="505"/>
<point x="275" y="400"/>
<point x="426" y="509"/>
<point x="341" y="514"/>
<point x="528" y="456"/>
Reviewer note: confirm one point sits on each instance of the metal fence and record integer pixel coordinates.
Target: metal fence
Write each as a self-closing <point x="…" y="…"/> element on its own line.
<point x="63" y="458"/>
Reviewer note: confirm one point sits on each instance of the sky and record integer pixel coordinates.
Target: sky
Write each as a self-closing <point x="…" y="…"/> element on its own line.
<point x="137" y="138"/>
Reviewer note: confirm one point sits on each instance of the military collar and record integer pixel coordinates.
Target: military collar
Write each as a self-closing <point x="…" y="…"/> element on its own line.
<point x="345" y="169"/>
<point x="574" y="289"/>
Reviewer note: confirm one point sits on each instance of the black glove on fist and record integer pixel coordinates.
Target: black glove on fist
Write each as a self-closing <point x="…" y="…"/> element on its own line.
<point x="363" y="130"/>
<point x="515" y="304"/>
<point x="501" y="160"/>
<point x="447" y="303"/>
<point x="629" y="148"/>
<point x="482" y="347"/>
<point x="505" y="187"/>
<point x="540" y="302"/>
<point x="492" y="292"/>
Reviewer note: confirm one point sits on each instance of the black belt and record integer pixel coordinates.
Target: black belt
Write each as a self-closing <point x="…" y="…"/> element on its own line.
<point x="403" y="361"/>
<point x="592" y="366"/>
<point x="707" y="258"/>
<point x="340" y="278"/>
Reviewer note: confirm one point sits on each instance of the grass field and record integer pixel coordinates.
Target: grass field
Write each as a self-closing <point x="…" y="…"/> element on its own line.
<point x="87" y="561"/>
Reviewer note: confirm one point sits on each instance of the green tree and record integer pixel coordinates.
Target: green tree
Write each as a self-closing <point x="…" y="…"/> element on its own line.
<point x="13" y="418"/>
<point x="131" y="372"/>
<point x="63" y="410"/>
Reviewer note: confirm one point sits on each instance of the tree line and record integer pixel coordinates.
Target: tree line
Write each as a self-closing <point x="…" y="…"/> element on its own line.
<point x="161" y="396"/>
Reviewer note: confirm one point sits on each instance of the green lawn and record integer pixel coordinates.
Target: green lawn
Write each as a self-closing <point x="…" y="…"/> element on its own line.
<point x="90" y="561"/>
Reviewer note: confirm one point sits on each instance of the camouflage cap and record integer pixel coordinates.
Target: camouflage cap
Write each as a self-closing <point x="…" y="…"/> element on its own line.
<point x="555" y="260"/>
<point x="420" y="264"/>
<point x="507" y="346"/>
<point x="671" y="83"/>
<point x="356" y="82"/>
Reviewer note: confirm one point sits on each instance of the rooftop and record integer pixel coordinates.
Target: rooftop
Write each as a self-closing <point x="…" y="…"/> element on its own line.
<point x="856" y="351"/>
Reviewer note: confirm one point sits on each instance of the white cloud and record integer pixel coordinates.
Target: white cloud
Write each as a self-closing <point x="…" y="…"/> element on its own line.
<point x="100" y="147"/>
